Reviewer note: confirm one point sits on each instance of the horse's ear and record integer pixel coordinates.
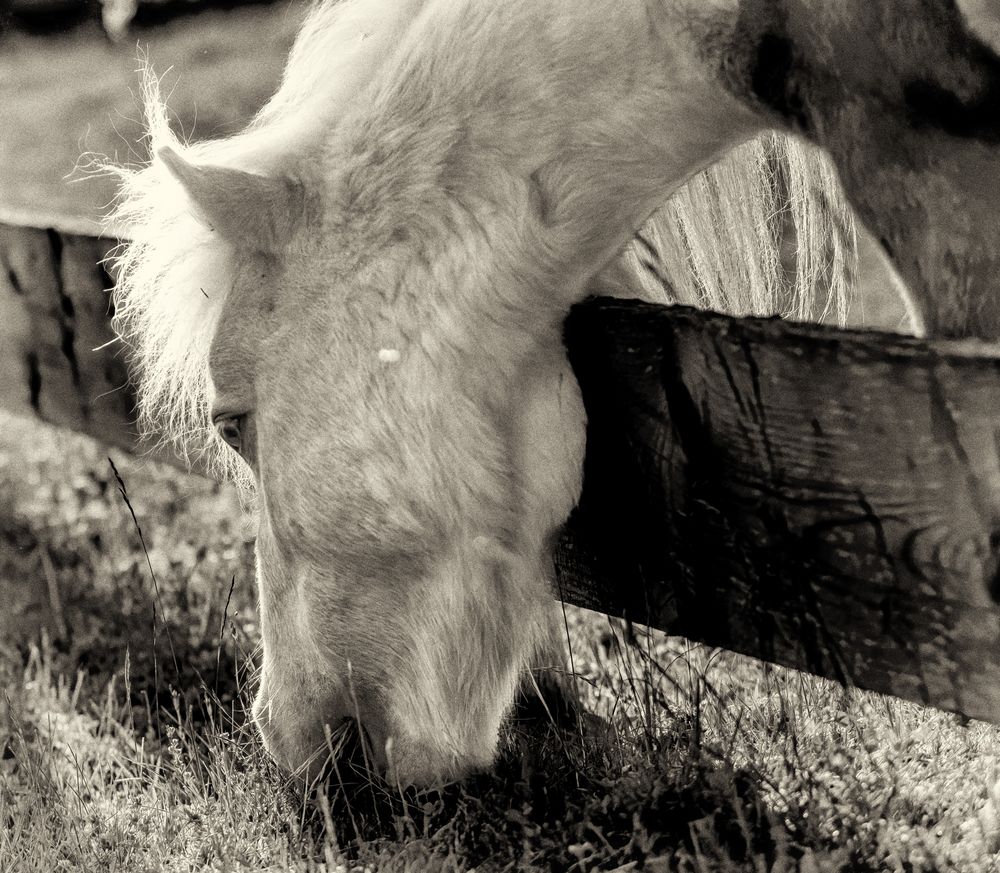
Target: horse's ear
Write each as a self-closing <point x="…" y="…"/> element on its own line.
<point x="259" y="211"/>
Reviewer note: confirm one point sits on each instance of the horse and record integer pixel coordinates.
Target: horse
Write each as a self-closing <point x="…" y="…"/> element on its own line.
<point x="354" y="306"/>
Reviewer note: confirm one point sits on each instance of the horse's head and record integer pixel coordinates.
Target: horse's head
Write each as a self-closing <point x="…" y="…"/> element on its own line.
<point x="366" y="301"/>
<point x="409" y="458"/>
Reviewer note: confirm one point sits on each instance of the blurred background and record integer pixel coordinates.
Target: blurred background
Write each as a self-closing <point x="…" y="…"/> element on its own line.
<point x="69" y="83"/>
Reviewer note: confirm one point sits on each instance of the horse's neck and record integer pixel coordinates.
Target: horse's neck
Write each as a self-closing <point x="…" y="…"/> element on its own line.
<point x="606" y="107"/>
<point x="572" y="124"/>
<point x="599" y="110"/>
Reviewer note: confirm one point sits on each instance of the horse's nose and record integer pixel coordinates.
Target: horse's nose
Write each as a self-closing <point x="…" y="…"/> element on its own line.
<point x="314" y="747"/>
<point x="350" y="756"/>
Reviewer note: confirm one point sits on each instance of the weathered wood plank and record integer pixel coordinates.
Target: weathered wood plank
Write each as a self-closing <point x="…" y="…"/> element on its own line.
<point x="827" y="500"/>
<point x="58" y="354"/>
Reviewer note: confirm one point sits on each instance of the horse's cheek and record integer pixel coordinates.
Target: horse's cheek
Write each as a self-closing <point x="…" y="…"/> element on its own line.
<point x="550" y="439"/>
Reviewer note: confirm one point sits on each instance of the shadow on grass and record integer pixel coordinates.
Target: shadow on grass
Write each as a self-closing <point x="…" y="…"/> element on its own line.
<point x="572" y="796"/>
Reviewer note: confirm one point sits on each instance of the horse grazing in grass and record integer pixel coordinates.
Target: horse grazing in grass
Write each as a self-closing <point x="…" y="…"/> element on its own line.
<point x="357" y="302"/>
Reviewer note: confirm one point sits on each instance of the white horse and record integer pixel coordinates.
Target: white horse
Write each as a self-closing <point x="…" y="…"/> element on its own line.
<point x="358" y="302"/>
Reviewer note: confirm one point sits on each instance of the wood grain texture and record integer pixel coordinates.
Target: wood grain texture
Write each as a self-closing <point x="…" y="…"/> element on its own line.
<point x="58" y="354"/>
<point x="827" y="500"/>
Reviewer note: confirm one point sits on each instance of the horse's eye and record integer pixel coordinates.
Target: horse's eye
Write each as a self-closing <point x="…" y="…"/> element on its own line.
<point x="230" y="429"/>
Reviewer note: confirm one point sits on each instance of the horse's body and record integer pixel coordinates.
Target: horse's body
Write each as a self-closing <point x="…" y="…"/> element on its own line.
<point x="365" y="293"/>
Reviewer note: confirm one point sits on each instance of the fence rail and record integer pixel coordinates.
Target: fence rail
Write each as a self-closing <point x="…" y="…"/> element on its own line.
<point x="58" y="356"/>
<point x="827" y="500"/>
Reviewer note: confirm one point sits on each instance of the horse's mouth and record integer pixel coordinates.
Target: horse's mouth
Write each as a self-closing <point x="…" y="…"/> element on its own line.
<point x="351" y="759"/>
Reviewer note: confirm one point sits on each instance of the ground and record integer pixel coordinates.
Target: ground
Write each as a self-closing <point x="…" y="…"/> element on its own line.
<point x="125" y="746"/>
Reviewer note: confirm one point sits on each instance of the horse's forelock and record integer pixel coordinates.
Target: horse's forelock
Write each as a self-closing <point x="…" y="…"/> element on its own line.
<point x="173" y="274"/>
<point x="172" y="279"/>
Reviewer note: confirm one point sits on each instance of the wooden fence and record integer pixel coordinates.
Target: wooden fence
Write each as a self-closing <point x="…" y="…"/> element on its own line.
<point x="822" y="499"/>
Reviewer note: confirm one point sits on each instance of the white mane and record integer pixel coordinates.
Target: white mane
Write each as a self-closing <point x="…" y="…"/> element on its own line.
<point x="766" y="231"/>
<point x="171" y="285"/>
<point x="718" y="241"/>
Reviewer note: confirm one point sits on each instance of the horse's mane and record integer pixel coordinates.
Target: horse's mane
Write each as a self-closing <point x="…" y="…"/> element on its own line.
<point x="170" y="288"/>
<point x="764" y="231"/>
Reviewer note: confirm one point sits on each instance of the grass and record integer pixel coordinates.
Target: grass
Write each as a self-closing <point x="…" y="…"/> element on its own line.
<point x="125" y="744"/>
